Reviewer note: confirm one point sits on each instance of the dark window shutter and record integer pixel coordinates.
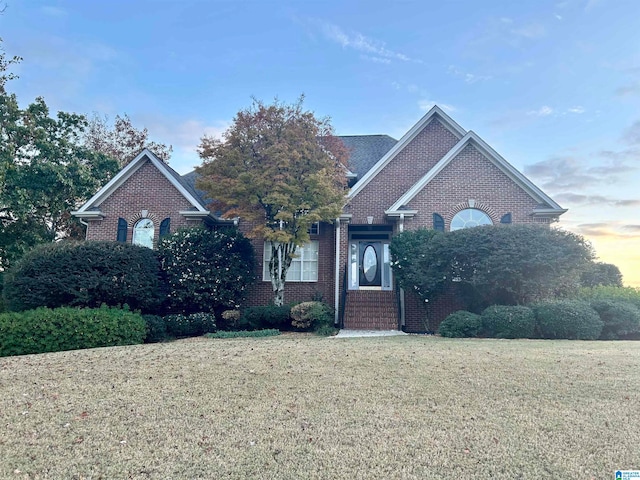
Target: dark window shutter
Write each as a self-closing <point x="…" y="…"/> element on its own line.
<point x="438" y="222"/>
<point x="506" y="218"/>
<point x="165" y="225"/>
<point x="122" y="230"/>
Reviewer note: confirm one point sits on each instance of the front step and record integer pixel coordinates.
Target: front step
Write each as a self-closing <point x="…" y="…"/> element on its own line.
<point x="371" y="310"/>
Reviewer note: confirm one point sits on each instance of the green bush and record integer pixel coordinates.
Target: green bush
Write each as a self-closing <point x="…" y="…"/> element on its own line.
<point x="568" y="319"/>
<point x="610" y="293"/>
<point x="621" y="319"/>
<point x="461" y="324"/>
<point x="508" y="321"/>
<point x="206" y="270"/>
<point x="52" y="330"/>
<point x="86" y="274"/>
<point x="269" y="316"/>
<point x="270" y="332"/>
<point x="312" y="316"/>
<point x="196" y="324"/>
<point x="156" y="329"/>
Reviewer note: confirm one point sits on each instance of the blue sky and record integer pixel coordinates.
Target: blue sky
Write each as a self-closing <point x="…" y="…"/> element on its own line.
<point x="553" y="86"/>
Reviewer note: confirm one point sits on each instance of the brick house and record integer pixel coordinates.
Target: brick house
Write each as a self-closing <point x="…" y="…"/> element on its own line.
<point x="437" y="176"/>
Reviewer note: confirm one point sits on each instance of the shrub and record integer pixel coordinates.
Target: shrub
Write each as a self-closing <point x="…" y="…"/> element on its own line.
<point x="270" y="332"/>
<point x="52" y="330"/>
<point x="569" y="319"/>
<point x="86" y="274"/>
<point x="196" y="324"/>
<point x="621" y="319"/>
<point x="603" y="292"/>
<point x="316" y="316"/>
<point x="508" y="321"/>
<point x="460" y="324"/>
<point x="156" y="329"/>
<point x="206" y="270"/>
<point x="269" y="316"/>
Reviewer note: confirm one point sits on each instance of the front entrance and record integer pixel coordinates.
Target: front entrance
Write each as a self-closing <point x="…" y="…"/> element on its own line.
<point x="369" y="258"/>
<point x="370" y="271"/>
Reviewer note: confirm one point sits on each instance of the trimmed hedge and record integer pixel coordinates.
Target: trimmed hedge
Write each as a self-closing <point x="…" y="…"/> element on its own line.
<point x="270" y="332"/>
<point x="52" y="330"/>
<point x="567" y="319"/>
<point x="461" y="324"/>
<point x="269" y="316"/>
<point x="193" y="325"/>
<point x="86" y="274"/>
<point x="508" y="321"/>
<point x="621" y="319"/>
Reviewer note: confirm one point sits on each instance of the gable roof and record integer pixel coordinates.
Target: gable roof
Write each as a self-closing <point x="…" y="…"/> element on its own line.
<point x="547" y="206"/>
<point x="91" y="209"/>
<point x="435" y="113"/>
<point x="366" y="150"/>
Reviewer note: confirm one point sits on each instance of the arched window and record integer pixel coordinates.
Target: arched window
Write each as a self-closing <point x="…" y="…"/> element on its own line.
<point x="469" y="217"/>
<point x="143" y="233"/>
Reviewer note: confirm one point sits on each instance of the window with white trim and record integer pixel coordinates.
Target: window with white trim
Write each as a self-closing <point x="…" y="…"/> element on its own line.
<point x="304" y="266"/>
<point x="143" y="233"/>
<point x="468" y="218"/>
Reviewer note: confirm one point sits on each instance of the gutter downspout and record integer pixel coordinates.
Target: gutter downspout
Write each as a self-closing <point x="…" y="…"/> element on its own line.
<point x="336" y="292"/>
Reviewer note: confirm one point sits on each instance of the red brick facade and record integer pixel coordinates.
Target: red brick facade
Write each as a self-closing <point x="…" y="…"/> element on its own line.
<point x="147" y="192"/>
<point x="437" y="168"/>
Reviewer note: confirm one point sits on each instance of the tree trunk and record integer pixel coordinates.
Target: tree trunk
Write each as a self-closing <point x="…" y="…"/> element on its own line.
<point x="278" y="267"/>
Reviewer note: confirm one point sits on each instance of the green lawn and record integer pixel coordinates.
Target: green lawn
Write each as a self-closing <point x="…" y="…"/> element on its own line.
<point x="299" y="407"/>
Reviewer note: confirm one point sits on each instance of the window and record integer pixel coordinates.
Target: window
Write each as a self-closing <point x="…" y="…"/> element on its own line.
<point x="304" y="267"/>
<point x="143" y="233"/>
<point x="314" y="229"/>
<point x="470" y="217"/>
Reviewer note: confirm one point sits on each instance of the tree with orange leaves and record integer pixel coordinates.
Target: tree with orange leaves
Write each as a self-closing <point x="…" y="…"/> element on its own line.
<point x="281" y="169"/>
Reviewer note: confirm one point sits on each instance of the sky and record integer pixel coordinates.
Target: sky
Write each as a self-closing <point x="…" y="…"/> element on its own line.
<point x="553" y="86"/>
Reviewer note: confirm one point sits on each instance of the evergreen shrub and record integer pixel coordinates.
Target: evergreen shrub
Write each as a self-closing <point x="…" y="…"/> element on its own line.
<point x="156" y="329"/>
<point x="621" y="319"/>
<point x="85" y="274"/>
<point x="52" y="330"/>
<point x="508" y="321"/>
<point x="207" y="271"/>
<point x="193" y="325"/>
<point x="568" y="319"/>
<point x="461" y="324"/>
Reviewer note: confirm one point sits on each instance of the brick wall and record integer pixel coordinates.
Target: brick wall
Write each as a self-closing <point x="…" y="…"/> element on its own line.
<point x="262" y="292"/>
<point x="408" y="166"/>
<point x="146" y="189"/>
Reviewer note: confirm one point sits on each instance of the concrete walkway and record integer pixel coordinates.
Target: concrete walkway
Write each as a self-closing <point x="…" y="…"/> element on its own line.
<point x="368" y="333"/>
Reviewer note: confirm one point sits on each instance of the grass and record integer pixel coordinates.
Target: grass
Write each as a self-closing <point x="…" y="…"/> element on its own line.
<point x="293" y="407"/>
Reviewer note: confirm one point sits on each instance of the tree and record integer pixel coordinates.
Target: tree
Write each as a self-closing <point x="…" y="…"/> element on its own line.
<point x="45" y="172"/>
<point x="207" y="271"/>
<point x="281" y="169"/>
<point x="121" y="142"/>
<point x="600" y="273"/>
<point x="503" y="265"/>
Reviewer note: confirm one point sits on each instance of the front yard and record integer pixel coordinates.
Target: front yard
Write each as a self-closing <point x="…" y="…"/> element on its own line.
<point x="294" y="407"/>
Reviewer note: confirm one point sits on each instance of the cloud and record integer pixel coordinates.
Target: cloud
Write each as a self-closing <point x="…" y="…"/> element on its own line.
<point x="581" y="199"/>
<point x="469" y="78"/>
<point x="591" y="4"/>
<point x="628" y="90"/>
<point x="632" y="228"/>
<point x="632" y="134"/>
<point x="543" y="111"/>
<point x="531" y="31"/>
<point x="376" y="59"/>
<point x="565" y="173"/>
<point x="577" y="109"/>
<point x="427" y="105"/>
<point x="357" y="41"/>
